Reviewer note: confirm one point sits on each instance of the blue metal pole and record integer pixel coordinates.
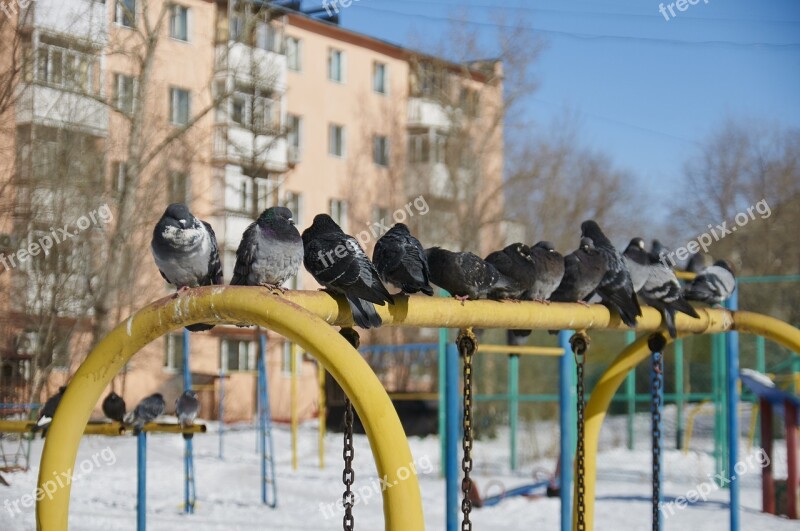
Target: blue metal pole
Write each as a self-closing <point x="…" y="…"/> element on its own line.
<point x="221" y="413"/>
<point x="732" y="352"/>
<point x="262" y="425"/>
<point x="141" y="483"/>
<point x="566" y="367"/>
<point x="188" y="454"/>
<point x="658" y="427"/>
<point x="513" y="406"/>
<point x="630" y="392"/>
<point x="442" y="404"/>
<point x="452" y="431"/>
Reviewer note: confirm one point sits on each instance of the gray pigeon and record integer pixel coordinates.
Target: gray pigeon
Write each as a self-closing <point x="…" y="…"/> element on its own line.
<point x="663" y="292"/>
<point x="338" y="262"/>
<point x="48" y="411"/>
<point x="658" y="252"/>
<point x="464" y="275"/>
<point x="149" y="409"/>
<point x="638" y="260"/>
<point x="186" y="409"/>
<point x="114" y="407"/>
<point x="698" y="262"/>
<point x="515" y="264"/>
<point x="400" y="261"/>
<point x="270" y="252"/>
<point x="714" y="285"/>
<point x="186" y="253"/>
<point x="616" y="287"/>
<point x="548" y="270"/>
<point x="583" y="270"/>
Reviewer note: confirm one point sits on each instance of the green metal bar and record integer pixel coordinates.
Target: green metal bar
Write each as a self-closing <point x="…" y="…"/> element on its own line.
<point x="640" y="397"/>
<point x="630" y="393"/>
<point x="513" y="404"/>
<point x="679" y="392"/>
<point x="768" y="279"/>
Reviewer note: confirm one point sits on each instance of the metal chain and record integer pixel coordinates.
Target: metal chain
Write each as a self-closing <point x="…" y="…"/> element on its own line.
<point x="348" y="475"/>
<point x="657" y="342"/>
<point x="467" y="345"/>
<point x="580" y="344"/>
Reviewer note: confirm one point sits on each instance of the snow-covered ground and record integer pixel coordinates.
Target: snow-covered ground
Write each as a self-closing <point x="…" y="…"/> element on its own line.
<point x="228" y="490"/>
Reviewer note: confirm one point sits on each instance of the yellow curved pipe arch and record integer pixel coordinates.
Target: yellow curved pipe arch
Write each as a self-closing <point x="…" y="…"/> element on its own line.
<point x="402" y="504"/>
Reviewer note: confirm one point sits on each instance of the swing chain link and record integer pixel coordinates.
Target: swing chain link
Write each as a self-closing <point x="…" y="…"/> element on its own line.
<point x="467" y="345"/>
<point x="348" y="475"/>
<point x="580" y="344"/>
<point x="657" y="342"/>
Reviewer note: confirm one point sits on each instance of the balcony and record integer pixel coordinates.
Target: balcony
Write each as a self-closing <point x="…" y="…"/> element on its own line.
<point x="252" y="65"/>
<point x="84" y="19"/>
<point x="57" y="107"/>
<point x="427" y="113"/>
<point x="235" y="144"/>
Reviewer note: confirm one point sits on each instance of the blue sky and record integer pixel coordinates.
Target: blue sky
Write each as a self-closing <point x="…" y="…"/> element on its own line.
<point x="646" y="90"/>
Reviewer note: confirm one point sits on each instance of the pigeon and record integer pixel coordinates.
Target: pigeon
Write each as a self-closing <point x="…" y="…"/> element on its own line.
<point x="713" y="285"/>
<point x="548" y="270"/>
<point x="149" y="409"/>
<point x="400" y="260"/>
<point x="48" y="411"/>
<point x="270" y="252"/>
<point x="697" y="262"/>
<point x="515" y="264"/>
<point x="186" y="409"/>
<point x="338" y="262"/>
<point x="616" y="287"/>
<point x="464" y="275"/>
<point x="114" y="407"/>
<point x="583" y="270"/>
<point x="658" y="251"/>
<point x="663" y="292"/>
<point x="638" y="261"/>
<point x="186" y="253"/>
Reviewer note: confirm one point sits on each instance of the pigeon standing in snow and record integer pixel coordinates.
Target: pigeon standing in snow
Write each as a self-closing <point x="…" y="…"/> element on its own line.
<point x="114" y="407"/>
<point x="638" y="261"/>
<point x="186" y="253"/>
<point x="149" y="409"/>
<point x="663" y="292"/>
<point x="400" y="261"/>
<point x="464" y="275"/>
<point x="270" y="252"/>
<point x="48" y="411"/>
<point x="583" y="270"/>
<point x="616" y="287"/>
<point x="186" y="409"/>
<point x="514" y="263"/>
<point x="338" y="262"/>
<point x="714" y="285"/>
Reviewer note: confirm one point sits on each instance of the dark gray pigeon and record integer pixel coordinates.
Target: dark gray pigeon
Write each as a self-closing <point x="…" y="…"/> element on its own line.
<point x="658" y="252"/>
<point x="48" y="411"/>
<point x="186" y="409"/>
<point x="714" y="285"/>
<point x="616" y="287"/>
<point x="663" y="292"/>
<point x="464" y="275"/>
<point x="114" y="407"/>
<point x="698" y="262"/>
<point x="583" y="270"/>
<point x="638" y="261"/>
<point x="149" y="409"/>
<point x="514" y="263"/>
<point x="270" y="252"/>
<point x="400" y="261"/>
<point x="186" y="253"/>
<point x="338" y="262"/>
<point x="548" y="270"/>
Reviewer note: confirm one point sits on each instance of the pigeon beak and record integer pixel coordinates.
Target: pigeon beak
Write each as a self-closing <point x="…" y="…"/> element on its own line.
<point x="182" y="222"/>
<point x="291" y="220"/>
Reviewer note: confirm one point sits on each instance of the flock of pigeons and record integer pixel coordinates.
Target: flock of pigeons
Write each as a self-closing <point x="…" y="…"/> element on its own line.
<point x="149" y="409"/>
<point x="186" y="253"/>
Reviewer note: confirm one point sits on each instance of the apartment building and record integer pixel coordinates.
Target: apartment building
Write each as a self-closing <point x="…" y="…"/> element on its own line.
<point x="260" y="104"/>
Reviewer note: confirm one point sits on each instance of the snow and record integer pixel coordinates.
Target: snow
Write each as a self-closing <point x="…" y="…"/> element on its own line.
<point x="228" y="491"/>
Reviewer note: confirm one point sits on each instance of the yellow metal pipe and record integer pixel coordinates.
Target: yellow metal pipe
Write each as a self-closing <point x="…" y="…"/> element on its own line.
<point x="162" y="427"/>
<point x="685" y="275"/>
<point x="323" y="413"/>
<point x="525" y="350"/>
<point x="402" y="503"/>
<point x="293" y="401"/>
<point x="94" y="428"/>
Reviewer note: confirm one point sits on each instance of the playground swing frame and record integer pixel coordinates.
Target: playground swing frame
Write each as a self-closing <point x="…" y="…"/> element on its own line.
<point x="303" y="317"/>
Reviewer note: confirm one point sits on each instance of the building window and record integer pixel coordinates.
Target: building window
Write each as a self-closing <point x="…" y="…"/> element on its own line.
<point x="381" y="214"/>
<point x="179" y="22"/>
<point x="245" y="195"/>
<point x="338" y="211"/>
<point x="63" y="67"/>
<point x="294" y="54"/>
<point x="123" y="92"/>
<point x="255" y="112"/>
<point x="470" y="102"/>
<point x="336" y="65"/>
<point x="380" y="150"/>
<point x="336" y="140"/>
<point x="439" y="147"/>
<point x="118" y="170"/>
<point x="294" y="137"/>
<point x="178" y="187"/>
<point x="179" y="106"/>
<point x="173" y="352"/>
<point x="266" y="37"/>
<point x="268" y="191"/>
<point x="237" y="355"/>
<point x="125" y="14"/>
<point x="419" y="147"/>
<point x="294" y="202"/>
<point x="238" y="105"/>
<point x="286" y="359"/>
<point x="379" y="77"/>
